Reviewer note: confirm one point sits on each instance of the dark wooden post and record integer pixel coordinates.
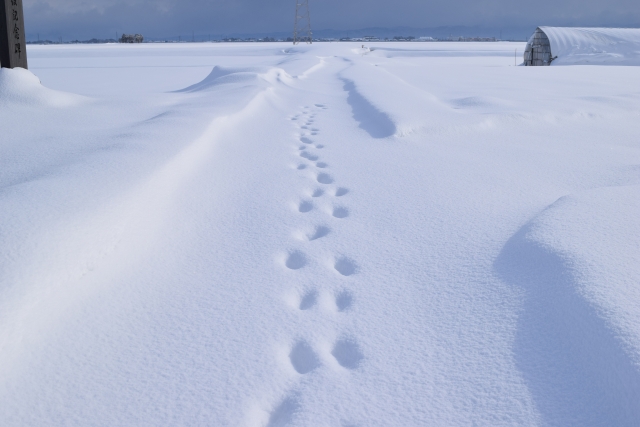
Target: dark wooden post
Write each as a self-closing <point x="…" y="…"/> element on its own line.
<point x="13" y="46"/>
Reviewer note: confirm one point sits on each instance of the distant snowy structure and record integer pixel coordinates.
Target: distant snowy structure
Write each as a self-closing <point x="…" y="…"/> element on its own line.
<point x="568" y="46"/>
<point x="131" y="38"/>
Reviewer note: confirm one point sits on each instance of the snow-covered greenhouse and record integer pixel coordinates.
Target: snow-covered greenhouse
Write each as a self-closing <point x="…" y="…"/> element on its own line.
<point x="565" y="46"/>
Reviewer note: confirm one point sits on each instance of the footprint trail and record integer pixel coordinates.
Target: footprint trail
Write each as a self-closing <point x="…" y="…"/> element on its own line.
<point x="303" y="357"/>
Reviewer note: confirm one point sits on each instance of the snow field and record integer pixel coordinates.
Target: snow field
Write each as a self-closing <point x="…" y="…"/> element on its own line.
<point x="267" y="235"/>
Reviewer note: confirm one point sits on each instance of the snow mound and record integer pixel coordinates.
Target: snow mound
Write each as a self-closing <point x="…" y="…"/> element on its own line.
<point x="242" y="76"/>
<point x="577" y="344"/>
<point x="598" y="230"/>
<point x="20" y="86"/>
<point x="361" y="50"/>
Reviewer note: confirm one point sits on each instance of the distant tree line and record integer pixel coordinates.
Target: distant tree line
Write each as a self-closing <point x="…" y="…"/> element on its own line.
<point x="92" y="41"/>
<point x="137" y="38"/>
<point x="131" y="38"/>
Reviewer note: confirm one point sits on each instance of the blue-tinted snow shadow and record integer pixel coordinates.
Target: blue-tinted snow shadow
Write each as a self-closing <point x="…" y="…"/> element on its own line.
<point x="572" y="362"/>
<point x="373" y="121"/>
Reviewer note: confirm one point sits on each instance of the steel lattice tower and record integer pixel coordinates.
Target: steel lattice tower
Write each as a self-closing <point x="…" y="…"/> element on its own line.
<point x="302" y="24"/>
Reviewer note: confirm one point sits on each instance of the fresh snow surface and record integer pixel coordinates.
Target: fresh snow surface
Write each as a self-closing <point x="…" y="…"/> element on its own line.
<point x="593" y="46"/>
<point x="327" y="235"/>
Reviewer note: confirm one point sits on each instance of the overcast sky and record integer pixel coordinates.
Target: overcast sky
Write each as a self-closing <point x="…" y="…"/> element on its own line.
<point x="164" y="18"/>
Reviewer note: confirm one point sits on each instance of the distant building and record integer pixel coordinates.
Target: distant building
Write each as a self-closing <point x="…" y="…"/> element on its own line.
<point x="131" y="38"/>
<point x="567" y="45"/>
<point x="403" y="38"/>
<point x="471" y="39"/>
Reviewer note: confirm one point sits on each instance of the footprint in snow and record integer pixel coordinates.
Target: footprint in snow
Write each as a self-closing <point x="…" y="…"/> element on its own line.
<point x="319" y="146"/>
<point x="296" y="260"/>
<point x="345" y="266"/>
<point x="305" y="207"/>
<point x="320" y="231"/>
<point x="305" y="140"/>
<point x="318" y="192"/>
<point x="301" y="167"/>
<point x="283" y="414"/>
<point x="324" y="178"/>
<point x="344" y="300"/>
<point x="321" y="165"/>
<point x="303" y="358"/>
<point x="341" y="191"/>
<point x="308" y="300"/>
<point x="309" y="156"/>
<point x="347" y="352"/>
<point x="340" y="212"/>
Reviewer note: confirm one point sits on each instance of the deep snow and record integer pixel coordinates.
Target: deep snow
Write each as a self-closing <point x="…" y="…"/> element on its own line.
<point x="326" y="235"/>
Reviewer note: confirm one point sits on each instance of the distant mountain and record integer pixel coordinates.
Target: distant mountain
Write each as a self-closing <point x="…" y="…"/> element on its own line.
<point x="504" y="33"/>
<point x="518" y="33"/>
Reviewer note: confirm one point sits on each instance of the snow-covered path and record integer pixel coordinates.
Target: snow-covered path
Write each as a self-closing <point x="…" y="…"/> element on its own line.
<point x="418" y="234"/>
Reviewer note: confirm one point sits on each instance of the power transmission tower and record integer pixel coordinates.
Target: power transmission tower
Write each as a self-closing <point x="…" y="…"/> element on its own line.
<point x="302" y="24"/>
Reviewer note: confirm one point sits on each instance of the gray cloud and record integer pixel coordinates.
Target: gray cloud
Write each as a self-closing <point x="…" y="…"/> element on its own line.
<point x="165" y="18"/>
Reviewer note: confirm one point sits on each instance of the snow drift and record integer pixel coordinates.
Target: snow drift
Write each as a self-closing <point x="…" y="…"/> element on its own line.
<point x="578" y="345"/>
<point x="315" y="237"/>
<point x="20" y="86"/>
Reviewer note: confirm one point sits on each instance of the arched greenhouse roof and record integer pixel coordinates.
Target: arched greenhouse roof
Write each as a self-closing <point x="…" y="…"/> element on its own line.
<point x="615" y="46"/>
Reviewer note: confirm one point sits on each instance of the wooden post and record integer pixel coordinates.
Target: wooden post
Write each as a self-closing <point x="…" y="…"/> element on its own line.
<point x="13" y="46"/>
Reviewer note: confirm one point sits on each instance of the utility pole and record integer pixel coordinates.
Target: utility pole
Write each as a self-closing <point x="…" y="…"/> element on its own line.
<point x="302" y="23"/>
<point x="13" y="46"/>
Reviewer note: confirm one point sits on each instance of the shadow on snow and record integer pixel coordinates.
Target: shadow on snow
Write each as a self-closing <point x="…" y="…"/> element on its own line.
<point x="575" y="367"/>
